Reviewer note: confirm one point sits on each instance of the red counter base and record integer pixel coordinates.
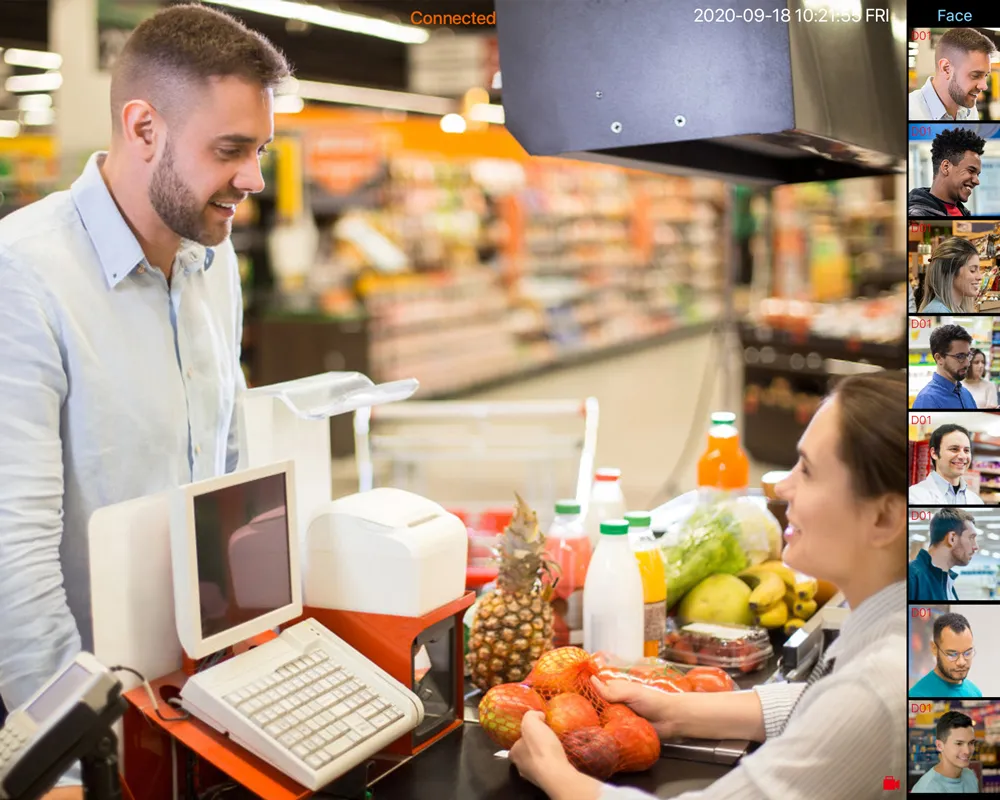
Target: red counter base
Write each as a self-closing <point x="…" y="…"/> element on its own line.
<point x="148" y="739"/>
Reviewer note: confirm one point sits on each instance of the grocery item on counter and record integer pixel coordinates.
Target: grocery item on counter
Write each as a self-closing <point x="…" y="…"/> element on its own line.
<point x="654" y="583"/>
<point x="607" y="501"/>
<point x="728" y="647"/>
<point x="666" y="676"/>
<point x="613" y="617"/>
<point x="599" y="739"/>
<point x="759" y="530"/>
<point x="513" y="623"/>
<point x="724" y="465"/>
<point x="568" y="546"/>
<point x="779" y="593"/>
<point x="719" y="598"/>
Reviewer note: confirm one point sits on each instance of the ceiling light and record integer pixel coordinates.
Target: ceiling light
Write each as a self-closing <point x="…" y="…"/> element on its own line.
<point x="992" y="536"/>
<point x="46" y="82"/>
<point x="918" y="538"/>
<point x="996" y="555"/>
<point x="487" y="112"/>
<point x="37" y="59"/>
<point x="34" y="102"/>
<point x="288" y="104"/>
<point x="374" y="98"/>
<point x="453" y="123"/>
<point x="9" y="128"/>
<point x="38" y="116"/>
<point x="328" y="18"/>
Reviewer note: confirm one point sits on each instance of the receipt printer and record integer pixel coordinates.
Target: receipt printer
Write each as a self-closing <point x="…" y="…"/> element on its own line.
<point x="385" y="551"/>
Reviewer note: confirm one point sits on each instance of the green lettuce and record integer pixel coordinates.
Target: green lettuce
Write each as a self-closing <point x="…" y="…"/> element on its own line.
<point x="708" y="543"/>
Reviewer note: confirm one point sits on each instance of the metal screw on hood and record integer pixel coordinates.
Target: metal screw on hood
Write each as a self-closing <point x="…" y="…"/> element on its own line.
<point x="680" y="121"/>
<point x="616" y="127"/>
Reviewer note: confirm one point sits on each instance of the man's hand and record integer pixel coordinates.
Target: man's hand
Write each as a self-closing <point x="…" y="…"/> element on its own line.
<point x="649" y="703"/>
<point x="65" y="793"/>
<point x="540" y="758"/>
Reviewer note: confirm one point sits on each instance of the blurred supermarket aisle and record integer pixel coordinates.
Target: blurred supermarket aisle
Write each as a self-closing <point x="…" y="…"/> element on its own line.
<point x="649" y="402"/>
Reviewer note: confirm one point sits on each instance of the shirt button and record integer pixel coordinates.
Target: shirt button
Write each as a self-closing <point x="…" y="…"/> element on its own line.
<point x="141" y="270"/>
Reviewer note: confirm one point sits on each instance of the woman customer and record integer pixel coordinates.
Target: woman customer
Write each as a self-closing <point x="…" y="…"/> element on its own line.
<point x="843" y="731"/>
<point x="951" y="285"/>
<point x="982" y="389"/>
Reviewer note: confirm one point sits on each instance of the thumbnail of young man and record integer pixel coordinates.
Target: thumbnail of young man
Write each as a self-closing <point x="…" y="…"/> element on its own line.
<point x="956" y="156"/>
<point x="955" y="740"/>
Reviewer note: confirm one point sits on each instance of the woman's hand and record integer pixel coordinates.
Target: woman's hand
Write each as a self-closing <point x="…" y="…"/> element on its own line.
<point x="645" y="701"/>
<point x="540" y="758"/>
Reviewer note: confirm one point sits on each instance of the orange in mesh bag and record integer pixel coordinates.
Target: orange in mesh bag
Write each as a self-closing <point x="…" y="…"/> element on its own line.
<point x="566" y="669"/>
<point x="626" y="743"/>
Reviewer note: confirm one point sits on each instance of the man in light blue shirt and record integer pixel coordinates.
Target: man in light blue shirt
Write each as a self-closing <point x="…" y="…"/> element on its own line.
<point x="962" y="59"/>
<point x="951" y="350"/>
<point x="121" y="320"/>
<point x="954" y="649"/>
<point x="955" y="739"/>
<point x="951" y="457"/>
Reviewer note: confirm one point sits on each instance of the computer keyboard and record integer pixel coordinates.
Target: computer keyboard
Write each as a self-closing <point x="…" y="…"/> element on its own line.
<point x="305" y="702"/>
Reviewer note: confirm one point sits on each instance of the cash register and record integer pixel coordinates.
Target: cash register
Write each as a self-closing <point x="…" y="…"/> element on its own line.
<point x="304" y="701"/>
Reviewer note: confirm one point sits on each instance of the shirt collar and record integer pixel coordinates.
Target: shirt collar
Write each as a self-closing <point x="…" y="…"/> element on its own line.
<point x="117" y="248"/>
<point x="924" y="557"/>
<point x="945" y="486"/>
<point x="936" y="107"/>
<point x="946" y="384"/>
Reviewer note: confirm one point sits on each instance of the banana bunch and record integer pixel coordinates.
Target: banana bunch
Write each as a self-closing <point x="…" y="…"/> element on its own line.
<point x="779" y="596"/>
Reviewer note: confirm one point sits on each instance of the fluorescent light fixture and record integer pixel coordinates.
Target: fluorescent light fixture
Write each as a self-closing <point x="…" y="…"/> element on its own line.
<point x="993" y="536"/>
<point x="288" y="104"/>
<point x="9" y="128"/>
<point x="918" y="538"/>
<point x="487" y="112"/>
<point x="993" y="526"/>
<point x="36" y="59"/>
<point x="38" y="117"/>
<point x="375" y="98"/>
<point x="328" y="18"/>
<point x="996" y="555"/>
<point x="46" y="82"/>
<point x="34" y="102"/>
<point x="453" y="123"/>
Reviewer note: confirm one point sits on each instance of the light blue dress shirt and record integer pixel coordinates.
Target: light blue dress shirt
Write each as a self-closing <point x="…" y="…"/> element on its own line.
<point x="924" y="104"/>
<point x="113" y="385"/>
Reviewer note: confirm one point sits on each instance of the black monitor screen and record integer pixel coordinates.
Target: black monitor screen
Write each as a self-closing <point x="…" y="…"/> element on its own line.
<point x="243" y="558"/>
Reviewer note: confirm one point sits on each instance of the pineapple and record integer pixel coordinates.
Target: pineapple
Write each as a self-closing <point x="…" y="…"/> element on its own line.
<point x="513" y="624"/>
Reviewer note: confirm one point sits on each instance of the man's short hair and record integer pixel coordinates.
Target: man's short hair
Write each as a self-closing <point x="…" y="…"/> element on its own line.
<point x="963" y="40"/>
<point x="955" y="622"/>
<point x="952" y="144"/>
<point x="951" y="720"/>
<point x="943" y="335"/>
<point x="943" y="430"/>
<point x="949" y="520"/>
<point x="188" y="45"/>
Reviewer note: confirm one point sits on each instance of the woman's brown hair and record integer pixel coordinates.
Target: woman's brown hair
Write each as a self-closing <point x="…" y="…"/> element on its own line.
<point x="872" y="410"/>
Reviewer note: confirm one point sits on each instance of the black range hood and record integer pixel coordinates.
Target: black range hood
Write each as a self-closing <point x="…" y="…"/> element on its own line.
<point x="645" y="84"/>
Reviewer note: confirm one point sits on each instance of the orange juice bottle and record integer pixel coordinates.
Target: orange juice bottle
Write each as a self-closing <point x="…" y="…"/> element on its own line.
<point x="567" y="544"/>
<point x="654" y="582"/>
<point x="724" y="465"/>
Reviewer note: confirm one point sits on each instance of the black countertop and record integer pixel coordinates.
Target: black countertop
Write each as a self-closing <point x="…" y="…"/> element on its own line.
<point x="462" y="766"/>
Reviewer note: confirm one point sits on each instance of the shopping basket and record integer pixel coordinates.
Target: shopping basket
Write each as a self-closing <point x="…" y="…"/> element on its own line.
<point x="457" y="453"/>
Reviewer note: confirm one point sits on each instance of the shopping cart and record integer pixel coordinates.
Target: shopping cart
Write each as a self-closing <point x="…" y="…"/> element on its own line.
<point x="455" y="452"/>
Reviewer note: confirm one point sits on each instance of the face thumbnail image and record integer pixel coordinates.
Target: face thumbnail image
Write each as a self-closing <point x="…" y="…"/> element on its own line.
<point x="953" y="74"/>
<point x="954" y="458"/>
<point x="951" y="363"/>
<point x="954" y="169"/>
<point x="954" y="651"/>
<point x="954" y="554"/>
<point x="953" y="747"/>
<point x="952" y="266"/>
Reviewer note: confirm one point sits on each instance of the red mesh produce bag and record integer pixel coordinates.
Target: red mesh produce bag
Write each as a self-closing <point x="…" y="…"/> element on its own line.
<point x="566" y="669"/>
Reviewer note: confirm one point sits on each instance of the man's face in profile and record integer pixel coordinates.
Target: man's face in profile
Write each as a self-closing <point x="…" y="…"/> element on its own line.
<point x="957" y="751"/>
<point x="954" y="654"/>
<point x="965" y="546"/>
<point x="962" y="177"/>
<point x="969" y="77"/>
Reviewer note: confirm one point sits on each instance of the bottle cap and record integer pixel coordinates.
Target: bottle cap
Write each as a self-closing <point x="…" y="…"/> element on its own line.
<point x="567" y="507"/>
<point x="607" y="474"/>
<point x="723" y="418"/>
<point x="614" y="527"/>
<point x="639" y="519"/>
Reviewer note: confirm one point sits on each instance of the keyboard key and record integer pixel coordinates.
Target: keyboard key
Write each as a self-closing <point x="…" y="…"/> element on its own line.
<point x="274" y="730"/>
<point x="290" y="738"/>
<point x="314" y="707"/>
<point x="298" y="683"/>
<point x="328" y="735"/>
<point x="302" y="750"/>
<point x="340" y="711"/>
<point x="341" y="727"/>
<point x="380" y="721"/>
<point x="368" y="711"/>
<point x="367" y="695"/>
<point x="379" y="703"/>
<point x="326" y="718"/>
<point x="315" y="725"/>
<point x="340" y="694"/>
<point x="301" y="714"/>
<point x="234" y="698"/>
<point x="354" y="702"/>
<point x="328" y="702"/>
<point x="324" y="684"/>
<point x="314" y="743"/>
<point x="360" y="726"/>
<point x="338" y="748"/>
<point x="320" y="656"/>
<point x="353" y="737"/>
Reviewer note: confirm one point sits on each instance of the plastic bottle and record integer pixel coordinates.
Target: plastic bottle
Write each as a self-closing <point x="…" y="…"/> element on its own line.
<point x="570" y="548"/>
<point x="724" y="465"/>
<point x="606" y="502"/>
<point x="612" y="596"/>
<point x="654" y="581"/>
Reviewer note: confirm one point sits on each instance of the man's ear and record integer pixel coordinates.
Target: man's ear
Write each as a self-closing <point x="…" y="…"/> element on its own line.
<point x="944" y="65"/>
<point x="139" y="128"/>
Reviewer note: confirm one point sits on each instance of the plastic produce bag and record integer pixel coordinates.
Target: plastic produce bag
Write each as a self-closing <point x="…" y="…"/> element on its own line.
<point x="664" y="675"/>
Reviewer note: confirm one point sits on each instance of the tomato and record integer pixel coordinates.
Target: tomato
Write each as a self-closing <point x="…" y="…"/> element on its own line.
<point x="684" y="653"/>
<point x="710" y="679"/>
<point x="672" y="685"/>
<point x="643" y="672"/>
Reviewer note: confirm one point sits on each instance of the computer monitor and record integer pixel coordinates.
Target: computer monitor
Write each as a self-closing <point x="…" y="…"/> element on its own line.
<point x="235" y="552"/>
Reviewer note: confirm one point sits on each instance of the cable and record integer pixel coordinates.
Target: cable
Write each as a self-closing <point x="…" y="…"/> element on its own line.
<point x="173" y="702"/>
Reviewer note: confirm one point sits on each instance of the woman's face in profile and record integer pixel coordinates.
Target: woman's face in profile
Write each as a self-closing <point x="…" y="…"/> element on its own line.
<point x="978" y="367"/>
<point x="966" y="282"/>
<point x="822" y="514"/>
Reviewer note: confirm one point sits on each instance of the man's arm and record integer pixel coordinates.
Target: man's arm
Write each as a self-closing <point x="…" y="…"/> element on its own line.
<point x="38" y="634"/>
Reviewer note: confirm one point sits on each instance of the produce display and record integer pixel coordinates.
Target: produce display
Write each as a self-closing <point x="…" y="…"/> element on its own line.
<point x="513" y="623"/>
<point x="720" y="646"/>
<point x="600" y="739"/>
